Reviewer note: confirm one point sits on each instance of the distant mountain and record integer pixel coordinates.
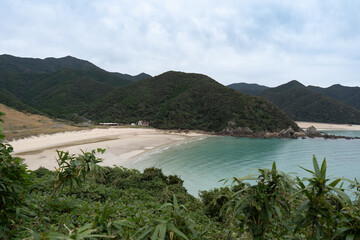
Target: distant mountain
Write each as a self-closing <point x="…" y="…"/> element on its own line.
<point x="47" y="65"/>
<point x="176" y="100"/>
<point x="135" y="78"/>
<point x="348" y="95"/>
<point x="304" y="104"/>
<point x="36" y="65"/>
<point x="61" y="87"/>
<point x="248" y="88"/>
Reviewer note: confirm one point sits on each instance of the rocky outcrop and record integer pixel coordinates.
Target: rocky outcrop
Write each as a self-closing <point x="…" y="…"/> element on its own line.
<point x="300" y="135"/>
<point x="288" y="133"/>
<point x="285" y="133"/>
<point x="247" y="132"/>
<point x="271" y="135"/>
<point x="312" y="132"/>
<point x="330" y="136"/>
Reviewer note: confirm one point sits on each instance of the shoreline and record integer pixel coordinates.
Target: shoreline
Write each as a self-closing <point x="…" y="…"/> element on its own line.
<point x="328" y="126"/>
<point x="123" y="145"/>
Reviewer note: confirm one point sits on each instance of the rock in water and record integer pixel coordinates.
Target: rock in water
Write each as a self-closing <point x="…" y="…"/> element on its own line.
<point x="287" y="133"/>
<point x="312" y="132"/>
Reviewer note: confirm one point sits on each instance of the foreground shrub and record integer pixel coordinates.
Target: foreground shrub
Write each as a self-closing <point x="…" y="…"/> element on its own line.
<point x="14" y="181"/>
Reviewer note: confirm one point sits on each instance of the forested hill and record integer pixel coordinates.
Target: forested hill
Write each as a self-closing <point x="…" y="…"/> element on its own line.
<point x="37" y="65"/>
<point x="248" y="88"/>
<point x="72" y="89"/>
<point x="348" y="95"/>
<point x="10" y="63"/>
<point x="60" y="87"/>
<point x="333" y="105"/>
<point x="176" y="100"/>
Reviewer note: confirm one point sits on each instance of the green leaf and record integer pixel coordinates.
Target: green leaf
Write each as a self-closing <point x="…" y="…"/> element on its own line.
<point x="323" y="168"/>
<point x="248" y="177"/>
<point x="176" y="206"/>
<point x="162" y="231"/>
<point x="56" y="235"/>
<point x="273" y="170"/>
<point x="307" y="170"/>
<point x="343" y="195"/>
<point x="350" y="237"/>
<point x="266" y="174"/>
<point x="124" y="223"/>
<point x="35" y="235"/>
<point x="340" y="231"/>
<point x="155" y="234"/>
<point x="177" y="231"/>
<point x="335" y="182"/>
<point x="278" y="212"/>
<point x="316" y="166"/>
<point x="145" y="233"/>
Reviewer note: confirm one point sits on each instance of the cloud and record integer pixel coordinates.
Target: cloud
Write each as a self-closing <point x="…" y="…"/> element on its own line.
<point x="269" y="42"/>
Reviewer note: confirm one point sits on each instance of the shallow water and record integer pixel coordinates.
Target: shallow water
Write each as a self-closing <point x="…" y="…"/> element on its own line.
<point x="202" y="163"/>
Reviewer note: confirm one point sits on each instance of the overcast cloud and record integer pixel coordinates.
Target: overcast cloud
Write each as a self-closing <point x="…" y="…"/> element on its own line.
<point x="267" y="42"/>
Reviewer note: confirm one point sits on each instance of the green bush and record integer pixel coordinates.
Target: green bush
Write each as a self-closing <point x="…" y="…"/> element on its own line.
<point x="14" y="182"/>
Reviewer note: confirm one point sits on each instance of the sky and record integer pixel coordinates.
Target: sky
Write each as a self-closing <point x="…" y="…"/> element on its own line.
<point x="269" y="42"/>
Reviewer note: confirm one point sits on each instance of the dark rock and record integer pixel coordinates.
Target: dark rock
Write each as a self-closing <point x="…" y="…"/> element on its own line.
<point x="300" y="134"/>
<point x="288" y="133"/>
<point x="312" y="132"/>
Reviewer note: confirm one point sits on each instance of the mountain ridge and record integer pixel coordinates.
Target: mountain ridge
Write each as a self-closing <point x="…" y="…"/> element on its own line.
<point x="314" y="103"/>
<point x="60" y="87"/>
<point x="177" y="100"/>
<point x="51" y="64"/>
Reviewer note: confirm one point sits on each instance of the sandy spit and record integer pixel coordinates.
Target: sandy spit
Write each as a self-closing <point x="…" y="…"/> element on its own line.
<point x="123" y="145"/>
<point x="329" y="126"/>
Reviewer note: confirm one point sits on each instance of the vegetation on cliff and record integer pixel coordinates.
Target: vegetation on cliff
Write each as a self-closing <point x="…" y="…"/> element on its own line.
<point x="176" y="100"/>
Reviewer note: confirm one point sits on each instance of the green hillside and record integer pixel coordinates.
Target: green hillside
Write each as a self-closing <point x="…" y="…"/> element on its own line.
<point x="26" y="65"/>
<point x="348" y="95"/>
<point x="303" y="104"/>
<point x="9" y="99"/>
<point x="248" y="88"/>
<point x="10" y="63"/>
<point x="59" y="94"/>
<point x="176" y="100"/>
<point x="64" y="93"/>
<point x="59" y="87"/>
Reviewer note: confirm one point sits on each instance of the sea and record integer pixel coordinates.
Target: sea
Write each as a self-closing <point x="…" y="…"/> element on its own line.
<point x="211" y="162"/>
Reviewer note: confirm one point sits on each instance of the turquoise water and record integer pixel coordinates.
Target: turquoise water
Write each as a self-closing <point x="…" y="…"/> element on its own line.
<point x="202" y="163"/>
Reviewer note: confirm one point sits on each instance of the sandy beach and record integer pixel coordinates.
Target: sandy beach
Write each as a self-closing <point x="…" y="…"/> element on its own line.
<point x="329" y="126"/>
<point x="123" y="145"/>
